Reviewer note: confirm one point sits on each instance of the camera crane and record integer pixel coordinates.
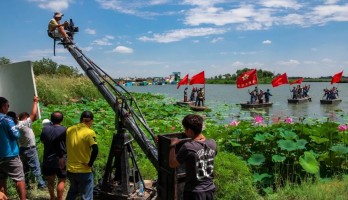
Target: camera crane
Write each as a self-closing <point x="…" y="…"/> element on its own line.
<point x="122" y="178"/>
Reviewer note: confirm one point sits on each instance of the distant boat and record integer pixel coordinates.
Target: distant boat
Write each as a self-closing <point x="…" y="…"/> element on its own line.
<point x="331" y="101"/>
<point x="185" y="103"/>
<point x="300" y="100"/>
<point x="198" y="108"/>
<point x="255" y="105"/>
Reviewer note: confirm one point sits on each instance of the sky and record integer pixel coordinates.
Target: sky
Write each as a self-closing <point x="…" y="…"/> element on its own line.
<point x="149" y="38"/>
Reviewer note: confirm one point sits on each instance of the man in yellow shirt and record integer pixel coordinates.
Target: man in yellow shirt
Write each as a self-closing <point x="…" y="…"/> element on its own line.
<point x="82" y="150"/>
<point x="55" y="29"/>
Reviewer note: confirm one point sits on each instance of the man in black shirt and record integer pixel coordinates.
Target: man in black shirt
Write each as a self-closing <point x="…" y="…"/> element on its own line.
<point x="53" y="137"/>
<point x="198" y="156"/>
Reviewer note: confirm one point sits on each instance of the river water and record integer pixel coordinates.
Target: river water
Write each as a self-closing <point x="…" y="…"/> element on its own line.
<point x="229" y="97"/>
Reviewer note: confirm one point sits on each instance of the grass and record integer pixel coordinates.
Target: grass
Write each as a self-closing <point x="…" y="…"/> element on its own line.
<point x="324" y="189"/>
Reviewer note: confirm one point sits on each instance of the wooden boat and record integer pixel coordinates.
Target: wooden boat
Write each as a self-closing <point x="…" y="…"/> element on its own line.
<point x="255" y="105"/>
<point x="331" y="101"/>
<point x="198" y="108"/>
<point x="301" y="100"/>
<point x="185" y="103"/>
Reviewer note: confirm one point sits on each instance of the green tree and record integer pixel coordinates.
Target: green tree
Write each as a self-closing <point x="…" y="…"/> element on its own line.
<point x="45" y="66"/>
<point x="4" y="61"/>
<point x="67" y="71"/>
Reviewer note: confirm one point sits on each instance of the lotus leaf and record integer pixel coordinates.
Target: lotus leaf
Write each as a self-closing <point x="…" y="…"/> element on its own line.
<point x="323" y="156"/>
<point x="268" y="190"/>
<point x="309" y="163"/>
<point x="262" y="137"/>
<point x="235" y="144"/>
<point x="256" y="159"/>
<point x="287" y="145"/>
<point x="259" y="177"/>
<point x="319" y="140"/>
<point x="340" y="149"/>
<point x="278" y="158"/>
<point x="289" y="135"/>
<point x="301" y="143"/>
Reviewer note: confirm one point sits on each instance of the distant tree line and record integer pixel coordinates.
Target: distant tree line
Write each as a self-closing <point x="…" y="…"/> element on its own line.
<point x="264" y="77"/>
<point x="46" y="66"/>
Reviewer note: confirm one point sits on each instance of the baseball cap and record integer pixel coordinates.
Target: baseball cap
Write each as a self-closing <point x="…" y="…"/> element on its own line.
<point x="58" y="14"/>
<point x="45" y="122"/>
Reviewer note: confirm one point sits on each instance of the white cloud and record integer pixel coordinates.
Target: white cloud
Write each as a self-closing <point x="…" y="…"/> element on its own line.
<point x="122" y="49"/>
<point x="281" y="4"/>
<point x="292" y="19"/>
<point x="218" y="39"/>
<point x="90" y="31"/>
<point x="327" y="60"/>
<point x="219" y="16"/>
<point x="331" y="1"/>
<point x="180" y="34"/>
<point x="54" y="5"/>
<point x="325" y="13"/>
<point x="310" y="62"/>
<point x="105" y="41"/>
<point x="267" y="42"/>
<point x="87" y="48"/>
<point x="289" y="62"/>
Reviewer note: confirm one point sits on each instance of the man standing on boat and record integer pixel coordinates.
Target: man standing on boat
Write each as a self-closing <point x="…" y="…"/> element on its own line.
<point x="185" y="94"/>
<point x="267" y="94"/>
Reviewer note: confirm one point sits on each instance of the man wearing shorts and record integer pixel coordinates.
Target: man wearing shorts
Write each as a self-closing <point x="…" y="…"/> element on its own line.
<point x="53" y="137"/>
<point x="10" y="163"/>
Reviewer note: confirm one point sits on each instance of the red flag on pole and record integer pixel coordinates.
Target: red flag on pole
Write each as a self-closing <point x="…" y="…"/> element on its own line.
<point x="183" y="81"/>
<point x="280" y="80"/>
<point x="247" y="79"/>
<point x="198" y="79"/>
<point x="298" y="81"/>
<point x="337" y="77"/>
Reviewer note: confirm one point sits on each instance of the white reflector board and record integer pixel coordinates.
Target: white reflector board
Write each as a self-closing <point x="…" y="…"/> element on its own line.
<point x="17" y="85"/>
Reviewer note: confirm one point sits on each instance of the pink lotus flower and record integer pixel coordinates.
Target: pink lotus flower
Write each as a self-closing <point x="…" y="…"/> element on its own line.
<point x="234" y="123"/>
<point x="258" y="120"/>
<point x="342" y="127"/>
<point x="289" y="120"/>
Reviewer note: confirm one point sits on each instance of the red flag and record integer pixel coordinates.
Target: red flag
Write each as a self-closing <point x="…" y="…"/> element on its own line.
<point x="247" y="79"/>
<point x="198" y="78"/>
<point x="280" y="80"/>
<point x="183" y="81"/>
<point x="298" y="81"/>
<point x="337" y="77"/>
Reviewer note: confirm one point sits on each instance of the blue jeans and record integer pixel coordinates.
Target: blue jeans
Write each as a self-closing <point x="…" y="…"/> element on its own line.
<point x="80" y="183"/>
<point x="30" y="161"/>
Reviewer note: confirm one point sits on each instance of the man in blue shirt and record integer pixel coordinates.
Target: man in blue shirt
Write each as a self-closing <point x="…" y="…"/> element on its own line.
<point x="10" y="163"/>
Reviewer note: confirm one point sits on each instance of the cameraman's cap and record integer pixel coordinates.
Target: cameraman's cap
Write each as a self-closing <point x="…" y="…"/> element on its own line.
<point x="58" y="14"/>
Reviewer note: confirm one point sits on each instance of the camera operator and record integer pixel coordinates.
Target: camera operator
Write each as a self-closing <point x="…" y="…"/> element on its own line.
<point x="56" y="30"/>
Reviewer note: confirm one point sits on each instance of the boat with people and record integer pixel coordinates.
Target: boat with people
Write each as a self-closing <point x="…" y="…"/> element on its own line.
<point x="256" y="105"/>
<point x="332" y="94"/>
<point x="197" y="97"/>
<point x="198" y="108"/>
<point x="185" y="103"/>
<point x="330" y="101"/>
<point x="300" y="100"/>
<point x="258" y="97"/>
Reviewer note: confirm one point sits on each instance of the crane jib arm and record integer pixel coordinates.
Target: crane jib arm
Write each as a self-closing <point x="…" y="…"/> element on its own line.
<point x="120" y="101"/>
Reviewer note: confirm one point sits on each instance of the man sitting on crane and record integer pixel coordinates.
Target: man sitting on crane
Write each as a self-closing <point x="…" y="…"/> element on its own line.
<point x="56" y="30"/>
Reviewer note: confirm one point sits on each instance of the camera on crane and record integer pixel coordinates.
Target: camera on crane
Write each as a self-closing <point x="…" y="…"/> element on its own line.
<point x="70" y="28"/>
